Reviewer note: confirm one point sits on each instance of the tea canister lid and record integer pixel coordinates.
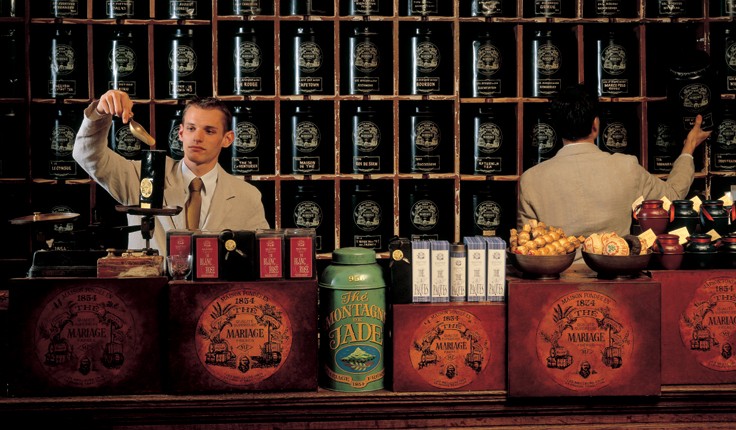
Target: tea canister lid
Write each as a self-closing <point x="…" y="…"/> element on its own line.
<point x="353" y="268"/>
<point x="353" y="255"/>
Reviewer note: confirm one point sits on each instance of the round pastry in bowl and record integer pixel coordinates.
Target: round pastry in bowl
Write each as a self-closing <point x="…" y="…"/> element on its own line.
<point x="617" y="266"/>
<point x="541" y="266"/>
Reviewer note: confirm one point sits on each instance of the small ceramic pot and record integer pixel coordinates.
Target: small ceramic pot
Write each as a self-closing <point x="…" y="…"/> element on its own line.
<point x="668" y="253"/>
<point x="651" y="214"/>
<point x="700" y="252"/>
<point x="713" y="216"/>
<point x="727" y="252"/>
<point x="682" y="214"/>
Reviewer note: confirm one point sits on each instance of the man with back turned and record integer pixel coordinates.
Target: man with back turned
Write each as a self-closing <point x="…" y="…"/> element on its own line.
<point x="584" y="190"/>
<point x="227" y="202"/>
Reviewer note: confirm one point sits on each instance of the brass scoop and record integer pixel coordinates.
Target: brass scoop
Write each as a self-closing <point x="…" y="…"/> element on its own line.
<point x="141" y="134"/>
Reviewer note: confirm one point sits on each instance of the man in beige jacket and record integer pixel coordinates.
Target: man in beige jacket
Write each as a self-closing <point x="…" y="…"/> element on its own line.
<point x="585" y="190"/>
<point x="228" y="202"/>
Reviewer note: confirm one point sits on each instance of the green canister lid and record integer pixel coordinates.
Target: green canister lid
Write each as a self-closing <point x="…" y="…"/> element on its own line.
<point x="353" y="268"/>
<point x="353" y="255"/>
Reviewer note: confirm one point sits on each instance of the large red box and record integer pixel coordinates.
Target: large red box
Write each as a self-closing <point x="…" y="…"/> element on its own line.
<point x="242" y="336"/>
<point x="85" y="336"/>
<point x="583" y="337"/>
<point x="698" y="326"/>
<point x="449" y="347"/>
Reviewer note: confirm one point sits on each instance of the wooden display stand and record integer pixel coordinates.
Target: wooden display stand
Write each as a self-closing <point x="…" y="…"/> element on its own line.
<point x="85" y="336"/>
<point x="242" y="336"/>
<point x="449" y="347"/>
<point x="583" y="337"/>
<point x="698" y="322"/>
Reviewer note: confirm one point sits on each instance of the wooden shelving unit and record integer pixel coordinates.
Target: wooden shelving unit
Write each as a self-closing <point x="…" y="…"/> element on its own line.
<point x="455" y="183"/>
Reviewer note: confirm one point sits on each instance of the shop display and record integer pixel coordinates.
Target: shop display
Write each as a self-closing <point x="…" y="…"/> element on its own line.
<point x="690" y="91"/>
<point x="723" y="150"/>
<point x="352" y="298"/>
<point x="366" y="221"/>
<point x="663" y="148"/>
<point x="11" y="72"/>
<point x="172" y="136"/>
<point x="714" y="216"/>
<point x="540" y="239"/>
<point x="682" y="214"/>
<point x="367" y="7"/>
<point x="618" y="133"/>
<point x="359" y="143"/>
<point x="369" y="131"/>
<point x="309" y="63"/>
<point x="67" y="8"/>
<point x="651" y="214"/>
<point x="249" y="7"/>
<point x="700" y="252"/>
<point x="549" y="65"/>
<point x="668" y="252"/>
<point x="247" y="56"/>
<point x="426" y="63"/>
<point x="250" y="149"/>
<point x="311" y="136"/>
<point x="490" y="63"/>
<point x="727" y="61"/>
<point x="60" y="133"/>
<point x="486" y="131"/>
<point x="616" y="65"/>
<point x="366" y="63"/>
<point x="491" y="8"/>
<point x="185" y="67"/>
<point x="65" y="65"/>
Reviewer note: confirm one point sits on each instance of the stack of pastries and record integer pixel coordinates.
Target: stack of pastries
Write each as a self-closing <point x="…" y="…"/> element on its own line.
<point x="536" y="238"/>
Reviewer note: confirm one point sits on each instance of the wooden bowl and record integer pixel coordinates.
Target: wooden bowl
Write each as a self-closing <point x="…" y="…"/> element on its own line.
<point x="541" y="266"/>
<point x="617" y="266"/>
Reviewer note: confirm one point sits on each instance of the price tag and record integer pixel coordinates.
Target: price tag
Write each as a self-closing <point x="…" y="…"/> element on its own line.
<point x="648" y="237"/>
<point x="637" y="203"/>
<point x="727" y="200"/>
<point x="696" y="203"/>
<point x="666" y="203"/>
<point x="714" y="235"/>
<point x="682" y="233"/>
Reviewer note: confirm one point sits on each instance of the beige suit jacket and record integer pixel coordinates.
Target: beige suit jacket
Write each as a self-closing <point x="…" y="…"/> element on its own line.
<point x="235" y="205"/>
<point x="585" y="190"/>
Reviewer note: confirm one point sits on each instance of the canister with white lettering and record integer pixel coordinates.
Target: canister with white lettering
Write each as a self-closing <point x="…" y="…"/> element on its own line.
<point x="352" y="293"/>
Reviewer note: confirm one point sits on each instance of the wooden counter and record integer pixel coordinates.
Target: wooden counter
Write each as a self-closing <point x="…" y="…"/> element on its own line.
<point x="683" y="407"/>
<point x="711" y="406"/>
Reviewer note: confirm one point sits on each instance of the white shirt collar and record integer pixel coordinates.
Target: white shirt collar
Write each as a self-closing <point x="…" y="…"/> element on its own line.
<point x="209" y="179"/>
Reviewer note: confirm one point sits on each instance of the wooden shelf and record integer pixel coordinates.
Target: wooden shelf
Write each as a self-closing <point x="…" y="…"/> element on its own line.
<point x="691" y="407"/>
<point x="152" y="26"/>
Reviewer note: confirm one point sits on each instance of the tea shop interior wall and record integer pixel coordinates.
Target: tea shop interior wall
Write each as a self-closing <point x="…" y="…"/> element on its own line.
<point x="362" y="119"/>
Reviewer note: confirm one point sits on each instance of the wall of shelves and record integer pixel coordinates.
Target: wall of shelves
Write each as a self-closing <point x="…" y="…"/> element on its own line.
<point x="452" y="177"/>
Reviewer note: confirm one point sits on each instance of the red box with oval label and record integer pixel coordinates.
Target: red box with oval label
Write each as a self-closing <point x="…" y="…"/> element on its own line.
<point x="698" y="326"/>
<point x="584" y="337"/>
<point x="449" y="347"/>
<point x="85" y="336"/>
<point x="242" y="336"/>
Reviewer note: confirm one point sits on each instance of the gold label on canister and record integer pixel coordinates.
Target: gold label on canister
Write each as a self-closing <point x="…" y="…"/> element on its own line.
<point x="230" y="245"/>
<point x="146" y="187"/>
<point x="585" y="341"/>
<point x="708" y="324"/>
<point x="243" y="337"/>
<point x="450" y="349"/>
<point x="84" y="336"/>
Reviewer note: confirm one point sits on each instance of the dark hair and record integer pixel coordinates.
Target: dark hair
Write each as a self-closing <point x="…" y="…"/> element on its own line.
<point x="210" y="103"/>
<point x="573" y="112"/>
